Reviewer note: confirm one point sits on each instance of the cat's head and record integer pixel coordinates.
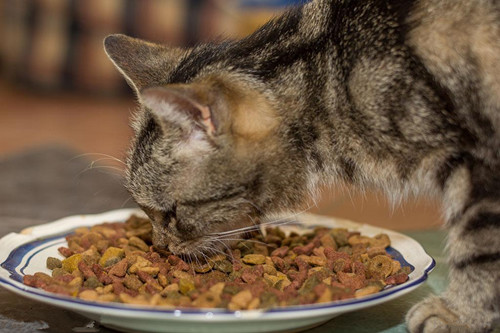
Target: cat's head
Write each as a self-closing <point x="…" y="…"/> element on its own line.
<point x="206" y="153"/>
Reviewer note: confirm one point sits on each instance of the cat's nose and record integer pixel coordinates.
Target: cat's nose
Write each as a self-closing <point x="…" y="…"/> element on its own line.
<point x="185" y="229"/>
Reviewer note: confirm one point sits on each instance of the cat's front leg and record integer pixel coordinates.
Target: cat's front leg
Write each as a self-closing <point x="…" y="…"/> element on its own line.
<point x="472" y="301"/>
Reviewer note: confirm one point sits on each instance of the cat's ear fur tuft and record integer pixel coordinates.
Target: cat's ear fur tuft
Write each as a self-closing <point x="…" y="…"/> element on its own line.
<point x="180" y="106"/>
<point x="143" y="64"/>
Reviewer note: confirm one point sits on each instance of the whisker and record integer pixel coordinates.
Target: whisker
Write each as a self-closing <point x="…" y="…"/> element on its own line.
<point x="125" y="202"/>
<point x="279" y="222"/>
<point x="101" y="167"/>
<point x="113" y="158"/>
<point x="246" y="240"/>
<point x="229" y="252"/>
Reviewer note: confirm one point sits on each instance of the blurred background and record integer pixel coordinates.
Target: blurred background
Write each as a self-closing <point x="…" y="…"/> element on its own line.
<point x="59" y="92"/>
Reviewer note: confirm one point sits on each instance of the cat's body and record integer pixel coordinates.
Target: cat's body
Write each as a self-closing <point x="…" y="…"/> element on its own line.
<point x="400" y="95"/>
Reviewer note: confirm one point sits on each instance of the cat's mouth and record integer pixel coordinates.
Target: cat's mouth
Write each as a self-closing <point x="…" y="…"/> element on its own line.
<point x="207" y="245"/>
<point x="200" y="248"/>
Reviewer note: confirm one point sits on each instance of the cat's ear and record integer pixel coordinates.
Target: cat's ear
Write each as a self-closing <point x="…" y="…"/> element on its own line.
<point x="182" y="107"/>
<point x="143" y="64"/>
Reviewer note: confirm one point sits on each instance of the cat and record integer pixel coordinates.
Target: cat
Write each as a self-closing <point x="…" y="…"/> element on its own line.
<point x="401" y="95"/>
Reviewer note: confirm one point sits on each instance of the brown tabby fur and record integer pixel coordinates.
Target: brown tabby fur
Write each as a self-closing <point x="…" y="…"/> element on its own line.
<point x="402" y="95"/>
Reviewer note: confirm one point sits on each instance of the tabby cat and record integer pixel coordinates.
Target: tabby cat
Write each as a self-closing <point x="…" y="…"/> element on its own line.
<point x="402" y="95"/>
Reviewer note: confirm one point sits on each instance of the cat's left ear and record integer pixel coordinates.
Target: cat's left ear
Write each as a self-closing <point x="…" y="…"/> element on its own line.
<point x="143" y="64"/>
<point x="182" y="107"/>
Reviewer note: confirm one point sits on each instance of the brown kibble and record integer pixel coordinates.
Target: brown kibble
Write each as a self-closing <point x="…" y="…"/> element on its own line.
<point x="249" y="277"/>
<point x="326" y="296"/>
<point x="198" y="268"/>
<point x="366" y="291"/>
<point x="119" y="269"/>
<point x="280" y="252"/>
<point x="358" y="239"/>
<point x="82" y="231"/>
<point x="139" y="300"/>
<point x="172" y="287"/>
<point x="306" y="249"/>
<point x="101" y="275"/>
<point x="380" y="266"/>
<point x="254" y="304"/>
<point x="280" y="264"/>
<point x="106" y="298"/>
<point x="142" y="232"/>
<point x="397" y="279"/>
<point x="76" y="282"/>
<point x="140" y="262"/>
<point x="381" y="240"/>
<point x="268" y="269"/>
<point x="217" y="257"/>
<point x="182" y="275"/>
<point x="88" y="295"/>
<point x="313" y="260"/>
<point x="218" y="288"/>
<point x="138" y="243"/>
<point x="65" y="251"/>
<point x="132" y="282"/>
<point x="86" y="270"/>
<point x="153" y="271"/>
<point x="162" y="280"/>
<point x="118" y="288"/>
<point x="351" y="280"/>
<point x="254" y="259"/>
<point x="396" y="266"/>
<point x="376" y="251"/>
<point x="240" y="301"/>
<point x="328" y="241"/>
<point x="208" y="299"/>
<point x="111" y="256"/>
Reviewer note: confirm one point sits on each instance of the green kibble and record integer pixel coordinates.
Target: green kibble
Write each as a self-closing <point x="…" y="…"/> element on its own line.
<point x="232" y="290"/>
<point x="309" y="285"/>
<point x="268" y="300"/>
<point x="112" y="261"/>
<point x="58" y="272"/>
<point x="132" y="282"/>
<point x="92" y="282"/>
<point x="224" y="266"/>
<point x="340" y="236"/>
<point x="53" y="263"/>
<point x="345" y="249"/>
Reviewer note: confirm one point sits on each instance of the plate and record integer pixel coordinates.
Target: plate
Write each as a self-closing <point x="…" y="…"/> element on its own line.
<point x="26" y="253"/>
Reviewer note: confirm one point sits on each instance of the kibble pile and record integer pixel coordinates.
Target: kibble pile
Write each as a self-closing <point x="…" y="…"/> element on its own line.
<point x="115" y="262"/>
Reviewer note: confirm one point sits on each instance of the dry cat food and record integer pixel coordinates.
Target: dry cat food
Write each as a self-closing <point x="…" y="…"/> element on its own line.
<point x="115" y="262"/>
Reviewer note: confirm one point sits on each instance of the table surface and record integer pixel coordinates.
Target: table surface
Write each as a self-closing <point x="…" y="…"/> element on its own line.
<point x="35" y="190"/>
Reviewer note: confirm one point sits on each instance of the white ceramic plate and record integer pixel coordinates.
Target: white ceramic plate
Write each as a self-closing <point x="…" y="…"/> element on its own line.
<point x="26" y="253"/>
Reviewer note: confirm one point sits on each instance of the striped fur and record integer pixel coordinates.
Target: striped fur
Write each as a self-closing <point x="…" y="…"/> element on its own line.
<point x="403" y="95"/>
